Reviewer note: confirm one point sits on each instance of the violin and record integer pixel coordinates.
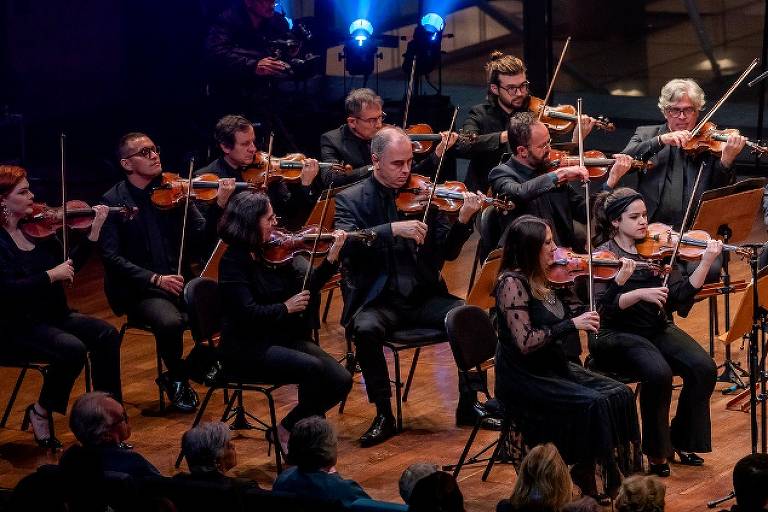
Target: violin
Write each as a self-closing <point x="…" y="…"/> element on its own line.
<point x="568" y="265"/>
<point x="712" y="139"/>
<point x="562" y="119"/>
<point x="287" y="168"/>
<point x="283" y="245"/>
<point x="660" y="242"/>
<point x="412" y="198"/>
<point x="173" y="189"/>
<point x="595" y="162"/>
<point x="45" y="221"/>
<point x="424" y="139"/>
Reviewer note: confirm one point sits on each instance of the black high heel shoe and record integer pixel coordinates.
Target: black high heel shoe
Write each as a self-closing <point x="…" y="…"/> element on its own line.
<point x="49" y="442"/>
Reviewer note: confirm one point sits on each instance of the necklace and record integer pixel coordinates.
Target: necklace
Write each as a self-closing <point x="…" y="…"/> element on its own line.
<point x="550" y="298"/>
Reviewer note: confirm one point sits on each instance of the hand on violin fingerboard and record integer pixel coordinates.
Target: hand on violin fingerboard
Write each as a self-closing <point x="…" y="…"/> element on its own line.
<point x="587" y="123"/>
<point x="732" y="148"/>
<point x="339" y="237"/>
<point x="226" y="188"/>
<point x="412" y="229"/>
<point x="309" y="171"/>
<point x="619" y="168"/>
<point x="625" y="272"/>
<point x="447" y="142"/>
<point x="100" y="215"/>
<point x="472" y="205"/>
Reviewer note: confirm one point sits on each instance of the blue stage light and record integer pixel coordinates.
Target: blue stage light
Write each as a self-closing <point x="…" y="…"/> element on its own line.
<point x="360" y="30"/>
<point x="433" y="24"/>
<point x="279" y="9"/>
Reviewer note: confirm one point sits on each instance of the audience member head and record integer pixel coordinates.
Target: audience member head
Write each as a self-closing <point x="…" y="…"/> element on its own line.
<point x="247" y="221"/>
<point x="392" y="156"/>
<point x="15" y="196"/>
<point x="641" y="493"/>
<point x="364" y="112"/>
<point x="313" y="445"/>
<point x="412" y="475"/>
<point x="529" y="248"/>
<point x="507" y="83"/>
<point x="750" y="482"/>
<point x="437" y="492"/>
<point x="529" y="140"/>
<point x="209" y="448"/>
<point x="543" y="481"/>
<point x="98" y="419"/>
<point x="235" y="137"/>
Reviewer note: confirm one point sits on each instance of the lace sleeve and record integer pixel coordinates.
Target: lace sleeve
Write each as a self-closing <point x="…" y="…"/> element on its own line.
<point x="513" y="301"/>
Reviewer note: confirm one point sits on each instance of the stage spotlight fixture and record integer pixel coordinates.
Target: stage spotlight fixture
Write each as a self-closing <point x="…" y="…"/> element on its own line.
<point x="425" y="45"/>
<point x="360" y="48"/>
<point x="279" y="9"/>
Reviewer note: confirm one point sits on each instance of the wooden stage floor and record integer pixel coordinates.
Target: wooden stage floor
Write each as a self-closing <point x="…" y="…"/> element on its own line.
<point x="430" y="434"/>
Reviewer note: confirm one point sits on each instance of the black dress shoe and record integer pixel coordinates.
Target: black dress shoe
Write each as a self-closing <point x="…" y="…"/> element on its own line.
<point x="382" y="428"/>
<point x="467" y="416"/>
<point x="689" y="459"/>
<point x="186" y="399"/>
<point x="661" y="470"/>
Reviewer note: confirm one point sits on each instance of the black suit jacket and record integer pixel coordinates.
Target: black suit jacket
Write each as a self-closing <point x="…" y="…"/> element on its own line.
<point x="366" y="269"/>
<point x="645" y="145"/>
<point x="126" y="252"/>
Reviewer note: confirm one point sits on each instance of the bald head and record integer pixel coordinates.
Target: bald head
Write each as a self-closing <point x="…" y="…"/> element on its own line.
<point x="392" y="156"/>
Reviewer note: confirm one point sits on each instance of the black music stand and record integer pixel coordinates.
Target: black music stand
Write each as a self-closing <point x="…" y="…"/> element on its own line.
<point x="729" y="213"/>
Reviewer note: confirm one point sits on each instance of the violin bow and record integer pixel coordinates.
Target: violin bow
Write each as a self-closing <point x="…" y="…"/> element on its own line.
<point x="64" y="233"/>
<point x="439" y="167"/>
<point x="722" y="100"/>
<point x="269" y="158"/>
<point x="409" y="93"/>
<point x="317" y="238"/>
<point x="554" y="78"/>
<point x="688" y="209"/>
<point x="186" y="213"/>
<point x="590" y="269"/>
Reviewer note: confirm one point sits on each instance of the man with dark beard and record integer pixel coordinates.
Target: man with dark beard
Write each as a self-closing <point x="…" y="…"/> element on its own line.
<point x="527" y="181"/>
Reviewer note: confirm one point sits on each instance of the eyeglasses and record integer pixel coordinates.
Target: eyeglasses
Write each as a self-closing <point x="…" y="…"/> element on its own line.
<point x="123" y="419"/>
<point x="675" y="111"/>
<point x="512" y="89"/>
<point x="373" y="120"/>
<point x="542" y="146"/>
<point x="145" y="152"/>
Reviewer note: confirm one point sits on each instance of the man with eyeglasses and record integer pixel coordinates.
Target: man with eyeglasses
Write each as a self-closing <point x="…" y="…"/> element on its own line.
<point x="508" y="93"/>
<point x="667" y="187"/>
<point x="141" y="257"/>
<point x="528" y="181"/>
<point x="351" y="142"/>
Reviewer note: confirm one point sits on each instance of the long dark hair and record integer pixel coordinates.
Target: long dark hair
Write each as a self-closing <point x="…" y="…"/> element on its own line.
<point x="240" y="222"/>
<point x="522" y="251"/>
<point x="608" y="207"/>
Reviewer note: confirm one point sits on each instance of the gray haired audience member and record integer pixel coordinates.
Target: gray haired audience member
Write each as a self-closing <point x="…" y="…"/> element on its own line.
<point x="641" y="493"/>
<point x="209" y="448"/>
<point x="750" y="483"/>
<point x="412" y="475"/>
<point x="312" y="449"/>
<point x="437" y="492"/>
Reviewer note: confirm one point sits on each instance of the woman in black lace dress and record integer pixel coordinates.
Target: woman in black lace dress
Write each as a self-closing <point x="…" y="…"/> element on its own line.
<point x="590" y="418"/>
<point x="638" y="339"/>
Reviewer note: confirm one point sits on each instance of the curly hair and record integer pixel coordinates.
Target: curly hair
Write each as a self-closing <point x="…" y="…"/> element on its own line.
<point x="641" y="493"/>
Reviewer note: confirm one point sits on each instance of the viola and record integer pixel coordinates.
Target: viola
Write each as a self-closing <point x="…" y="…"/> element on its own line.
<point x="173" y="189"/>
<point x="45" y="221"/>
<point x="287" y="168"/>
<point x="413" y="197"/>
<point x="562" y="119"/>
<point x="424" y="139"/>
<point x="712" y="139"/>
<point x="660" y="242"/>
<point x="595" y="161"/>
<point x="568" y="265"/>
<point x="283" y="245"/>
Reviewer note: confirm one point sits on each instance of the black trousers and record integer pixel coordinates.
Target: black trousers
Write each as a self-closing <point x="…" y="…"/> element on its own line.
<point x="64" y="344"/>
<point x="168" y="323"/>
<point x="653" y="359"/>
<point x="376" y="321"/>
<point x="322" y="381"/>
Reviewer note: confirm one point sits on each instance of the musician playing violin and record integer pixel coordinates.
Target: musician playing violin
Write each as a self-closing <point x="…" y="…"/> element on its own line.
<point x="637" y="338"/>
<point x="141" y="256"/>
<point x="534" y="188"/>
<point x="667" y="187"/>
<point x="268" y="317"/>
<point x="508" y="93"/>
<point x="351" y="142"/>
<point x="395" y="282"/>
<point x="236" y="137"/>
<point x="37" y="323"/>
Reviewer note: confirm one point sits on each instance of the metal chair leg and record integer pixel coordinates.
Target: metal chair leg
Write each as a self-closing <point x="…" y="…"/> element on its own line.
<point x="275" y="437"/>
<point x="198" y="417"/>
<point x="14" y="394"/>
<point x="328" y="301"/>
<point x="409" y="380"/>
<point x="398" y="391"/>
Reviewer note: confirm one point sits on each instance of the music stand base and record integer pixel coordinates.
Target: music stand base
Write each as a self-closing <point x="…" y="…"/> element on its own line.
<point x="733" y="373"/>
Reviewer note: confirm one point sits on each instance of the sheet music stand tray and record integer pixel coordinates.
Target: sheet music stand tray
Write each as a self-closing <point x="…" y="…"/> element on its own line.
<point x="728" y="213"/>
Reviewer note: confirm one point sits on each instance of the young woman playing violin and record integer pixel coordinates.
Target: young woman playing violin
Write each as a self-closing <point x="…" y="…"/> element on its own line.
<point x="587" y="416"/>
<point x="37" y="324"/>
<point x="268" y="317"/>
<point x="638" y="339"/>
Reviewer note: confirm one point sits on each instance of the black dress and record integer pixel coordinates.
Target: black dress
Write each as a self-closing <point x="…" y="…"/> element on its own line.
<point x="642" y="342"/>
<point x="587" y="416"/>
